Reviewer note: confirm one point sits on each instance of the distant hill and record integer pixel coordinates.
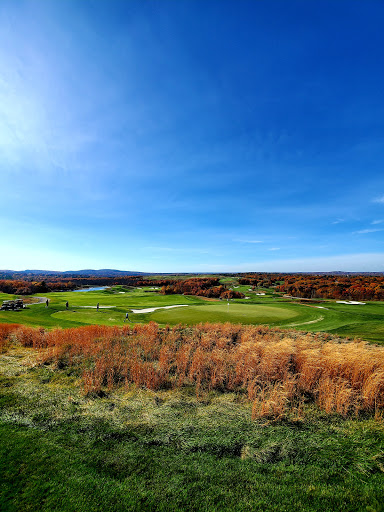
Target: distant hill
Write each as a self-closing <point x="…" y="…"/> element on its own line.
<point x="105" y="272"/>
<point x="30" y="274"/>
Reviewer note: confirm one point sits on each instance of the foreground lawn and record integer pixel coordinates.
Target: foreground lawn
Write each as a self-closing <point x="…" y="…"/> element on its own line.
<point x="136" y="449"/>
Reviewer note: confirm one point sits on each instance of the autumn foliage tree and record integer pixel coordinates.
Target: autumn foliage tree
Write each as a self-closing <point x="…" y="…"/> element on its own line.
<point x="334" y="287"/>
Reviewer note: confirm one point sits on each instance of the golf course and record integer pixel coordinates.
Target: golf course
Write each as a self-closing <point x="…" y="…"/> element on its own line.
<point x="362" y="320"/>
<point x="125" y="399"/>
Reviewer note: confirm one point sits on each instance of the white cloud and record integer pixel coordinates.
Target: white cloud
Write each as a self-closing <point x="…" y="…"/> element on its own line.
<point x="377" y="221"/>
<point x="338" y="221"/>
<point x="379" y="200"/>
<point x="274" y="249"/>
<point x="365" y="231"/>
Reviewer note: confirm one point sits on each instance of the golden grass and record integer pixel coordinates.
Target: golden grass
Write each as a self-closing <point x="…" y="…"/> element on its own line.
<point x="278" y="370"/>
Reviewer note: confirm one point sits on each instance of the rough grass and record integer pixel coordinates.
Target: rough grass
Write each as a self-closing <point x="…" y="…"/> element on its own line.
<point x="279" y="371"/>
<point x="138" y="449"/>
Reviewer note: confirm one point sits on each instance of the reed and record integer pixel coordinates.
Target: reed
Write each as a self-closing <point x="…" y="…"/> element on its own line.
<point x="279" y="370"/>
<point x="6" y="331"/>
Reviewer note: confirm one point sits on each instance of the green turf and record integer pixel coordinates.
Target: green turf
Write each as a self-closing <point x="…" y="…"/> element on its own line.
<point x="234" y="312"/>
<point x="363" y="321"/>
<point x="6" y="296"/>
<point x="82" y="307"/>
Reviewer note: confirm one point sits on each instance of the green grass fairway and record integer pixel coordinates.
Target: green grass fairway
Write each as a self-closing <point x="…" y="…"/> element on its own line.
<point x="6" y="296"/>
<point x="90" y="316"/>
<point x="82" y="307"/>
<point x="362" y="321"/>
<point x="235" y="313"/>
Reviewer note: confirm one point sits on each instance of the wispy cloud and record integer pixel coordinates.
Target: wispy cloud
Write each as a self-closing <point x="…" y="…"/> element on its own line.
<point x="377" y="221"/>
<point x="338" y="221"/>
<point x="274" y="249"/>
<point x="379" y="200"/>
<point x="365" y="231"/>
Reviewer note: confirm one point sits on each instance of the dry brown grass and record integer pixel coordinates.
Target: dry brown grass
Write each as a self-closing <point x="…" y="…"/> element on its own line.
<point x="6" y="331"/>
<point x="279" y="370"/>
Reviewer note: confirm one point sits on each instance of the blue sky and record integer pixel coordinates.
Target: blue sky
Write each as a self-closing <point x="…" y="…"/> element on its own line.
<point x="204" y="135"/>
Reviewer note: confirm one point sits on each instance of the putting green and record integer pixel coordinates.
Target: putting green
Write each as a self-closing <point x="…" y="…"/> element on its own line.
<point x="91" y="316"/>
<point x="236" y="313"/>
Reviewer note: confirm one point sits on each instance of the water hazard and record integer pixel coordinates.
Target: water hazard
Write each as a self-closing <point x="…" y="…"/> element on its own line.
<point x="92" y="289"/>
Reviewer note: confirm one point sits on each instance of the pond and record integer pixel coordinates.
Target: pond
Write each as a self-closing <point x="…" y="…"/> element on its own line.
<point x="92" y="289"/>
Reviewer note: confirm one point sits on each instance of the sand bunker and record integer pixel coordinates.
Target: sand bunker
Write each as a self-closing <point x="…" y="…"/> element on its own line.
<point x="151" y="310"/>
<point x="349" y="302"/>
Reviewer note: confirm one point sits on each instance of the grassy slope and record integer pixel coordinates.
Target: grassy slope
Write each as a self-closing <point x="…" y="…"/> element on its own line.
<point x="140" y="450"/>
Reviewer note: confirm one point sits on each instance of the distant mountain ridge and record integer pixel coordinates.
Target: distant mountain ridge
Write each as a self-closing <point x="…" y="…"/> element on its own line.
<point x="105" y="272"/>
<point x="108" y="272"/>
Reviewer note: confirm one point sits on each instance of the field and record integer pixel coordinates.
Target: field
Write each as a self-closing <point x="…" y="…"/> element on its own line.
<point x="119" y="422"/>
<point x="361" y="321"/>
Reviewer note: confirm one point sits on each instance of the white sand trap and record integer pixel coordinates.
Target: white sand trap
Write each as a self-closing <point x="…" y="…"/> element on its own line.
<point x="151" y="310"/>
<point x="349" y="302"/>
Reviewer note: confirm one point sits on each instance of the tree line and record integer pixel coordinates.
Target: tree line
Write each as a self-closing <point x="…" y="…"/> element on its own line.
<point x="205" y="287"/>
<point x="334" y="287"/>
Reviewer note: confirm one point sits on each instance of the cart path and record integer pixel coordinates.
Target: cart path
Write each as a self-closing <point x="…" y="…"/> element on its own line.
<point x="306" y="323"/>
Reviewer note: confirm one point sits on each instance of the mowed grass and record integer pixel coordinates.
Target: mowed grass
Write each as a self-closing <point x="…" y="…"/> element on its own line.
<point x="364" y="321"/>
<point x="234" y="312"/>
<point x="6" y="296"/>
<point x="361" y="321"/>
<point x="82" y="307"/>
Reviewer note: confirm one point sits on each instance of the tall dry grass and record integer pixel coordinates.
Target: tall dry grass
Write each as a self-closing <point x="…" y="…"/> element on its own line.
<point x="6" y="331"/>
<point x="278" y="370"/>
